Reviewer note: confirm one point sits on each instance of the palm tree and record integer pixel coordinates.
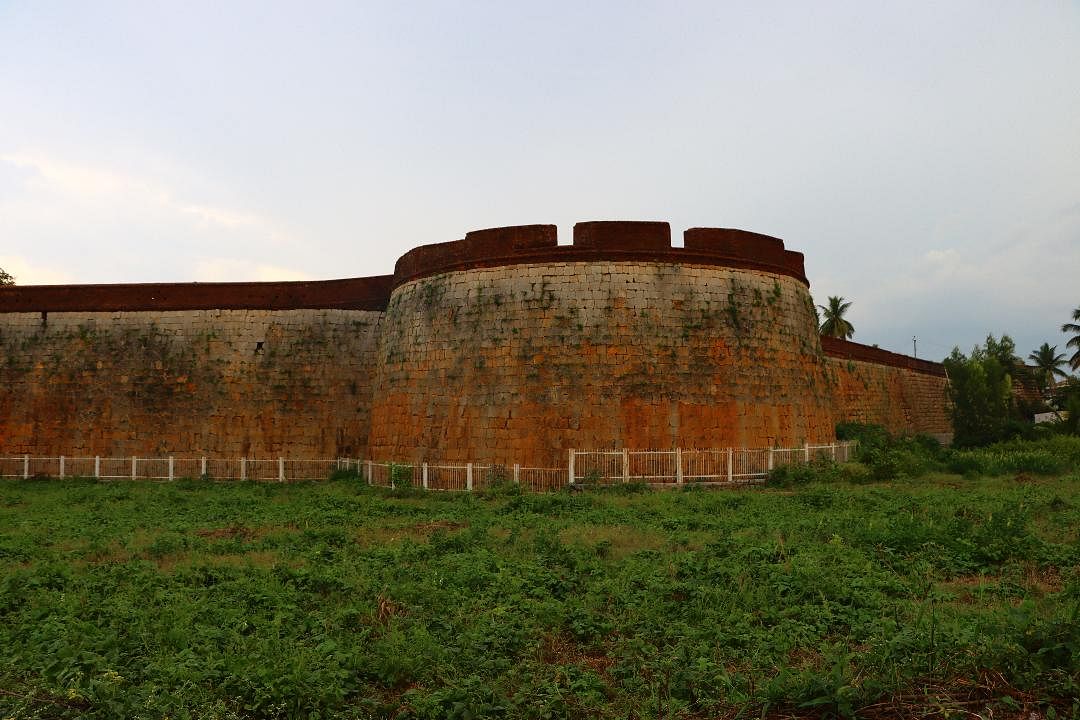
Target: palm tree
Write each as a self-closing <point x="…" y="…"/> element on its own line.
<point x="1074" y="341"/>
<point x="1048" y="364"/>
<point x="834" y="324"/>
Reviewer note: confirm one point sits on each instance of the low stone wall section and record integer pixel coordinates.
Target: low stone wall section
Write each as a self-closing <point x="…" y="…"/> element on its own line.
<point x="906" y="395"/>
<point x="227" y="383"/>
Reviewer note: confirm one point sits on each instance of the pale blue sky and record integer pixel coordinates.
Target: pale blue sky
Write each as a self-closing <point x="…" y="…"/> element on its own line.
<point x="924" y="156"/>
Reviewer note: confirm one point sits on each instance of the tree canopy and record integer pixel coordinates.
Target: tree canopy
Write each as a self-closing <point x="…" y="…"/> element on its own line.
<point x="834" y="324"/>
<point x="6" y="278"/>
<point x="1074" y="341"/>
<point x="1048" y="365"/>
<point x="980" y="387"/>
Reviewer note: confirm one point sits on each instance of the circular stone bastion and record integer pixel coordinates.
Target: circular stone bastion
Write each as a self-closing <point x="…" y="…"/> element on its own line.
<point x="508" y="346"/>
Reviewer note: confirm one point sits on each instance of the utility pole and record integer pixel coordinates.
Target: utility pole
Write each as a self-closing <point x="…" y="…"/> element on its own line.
<point x="914" y="347"/>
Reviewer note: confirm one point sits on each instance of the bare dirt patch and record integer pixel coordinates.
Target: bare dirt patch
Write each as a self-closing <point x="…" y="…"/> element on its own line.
<point x="387" y="609"/>
<point x="1043" y="579"/>
<point x="805" y="658"/>
<point x="233" y="532"/>
<point x="417" y="532"/>
<point x="258" y="559"/>
<point x="560" y="650"/>
<point x="619" y="541"/>
<point x="446" y="525"/>
<point x="967" y="588"/>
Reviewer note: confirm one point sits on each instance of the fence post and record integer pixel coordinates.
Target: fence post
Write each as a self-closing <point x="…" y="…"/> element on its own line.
<point x="468" y="476"/>
<point x="243" y="468"/>
<point x="571" y="466"/>
<point x="281" y="469"/>
<point x="806" y="451"/>
<point x="833" y="448"/>
<point x="625" y="465"/>
<point x="423" y="475"/>
<point x="770" y="465"/>
<point x="97" y="466"/>
<point x="678" y="466"/>
<point x="171" y="474"/>
<point x="26" y="467"/>
<point x="61" y="467"/>
<point x="203" y="473"/>
<point x="368" y="472"/>
<point x="133" y="467"/>
<point x="517" y="474"/>
<point x="730" y="465"/>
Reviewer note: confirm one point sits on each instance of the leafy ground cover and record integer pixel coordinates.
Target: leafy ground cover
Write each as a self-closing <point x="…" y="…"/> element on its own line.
<point x="837" y="595"/>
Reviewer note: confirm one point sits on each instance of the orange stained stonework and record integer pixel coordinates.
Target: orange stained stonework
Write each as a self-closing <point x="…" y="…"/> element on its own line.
<point x="502" y="347"/>
<point x="223" y="383"/>
<point x="596" y="355"/>
<point x="903" y="400"/>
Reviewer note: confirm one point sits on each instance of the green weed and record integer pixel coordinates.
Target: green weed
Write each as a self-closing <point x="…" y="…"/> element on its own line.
<point x="835" y="592"/>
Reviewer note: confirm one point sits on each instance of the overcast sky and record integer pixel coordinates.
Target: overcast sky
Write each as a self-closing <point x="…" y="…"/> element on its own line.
<point x="924" y="156"/>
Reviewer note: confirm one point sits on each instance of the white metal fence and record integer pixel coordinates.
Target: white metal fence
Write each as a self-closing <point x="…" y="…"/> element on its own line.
<point x="602" y="467"/>
<point x="727" y="466"/>
<point x="166" y="468"/>
<point x="468" y="476"/>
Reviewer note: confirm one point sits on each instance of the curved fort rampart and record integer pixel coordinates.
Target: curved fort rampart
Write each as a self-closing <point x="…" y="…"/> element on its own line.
<point x="502" y="347"/>
<point x="506" y="341"/>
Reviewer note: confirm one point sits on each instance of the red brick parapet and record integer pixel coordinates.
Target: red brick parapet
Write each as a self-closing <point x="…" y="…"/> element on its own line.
<point x="370" y="293"/>
<point x="847" y="350"/>
<point x="494" y="247"/>
<point x="596" y="241"/>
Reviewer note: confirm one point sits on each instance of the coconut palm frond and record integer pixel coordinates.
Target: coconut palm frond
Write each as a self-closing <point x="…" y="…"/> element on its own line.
<point x="834" y="324"/>
<point x="1074" y="341"/>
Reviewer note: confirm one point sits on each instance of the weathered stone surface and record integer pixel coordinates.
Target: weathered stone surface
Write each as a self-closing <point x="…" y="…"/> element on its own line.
<point x="219" y="382"/>
<point x="517" y="364"/>
<point x="904" y="400"/>
<point x="501" y="347"/>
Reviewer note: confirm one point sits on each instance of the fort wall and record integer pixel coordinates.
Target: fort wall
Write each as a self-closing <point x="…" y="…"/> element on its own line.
<point x="500" y="347"/>
<point x="254" y="383"/>
<point x="507" y="346"/>
<point x="904" y="394"/>
<point x="526" y="362"/>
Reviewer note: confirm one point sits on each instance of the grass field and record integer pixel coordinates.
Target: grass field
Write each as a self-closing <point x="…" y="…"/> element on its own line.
<point x="940" y="596"/>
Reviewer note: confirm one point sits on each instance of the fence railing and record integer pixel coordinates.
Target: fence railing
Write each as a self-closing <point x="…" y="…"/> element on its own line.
<point x="467" y="476"/>
<point x="603" y="467"/>
<point x="167" y="468"/>
<point x="728" y="466"/>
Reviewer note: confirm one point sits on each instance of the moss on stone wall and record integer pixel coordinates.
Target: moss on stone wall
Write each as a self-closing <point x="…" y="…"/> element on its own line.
<point x="248" y="382"/>
<point x="517" y="364"/>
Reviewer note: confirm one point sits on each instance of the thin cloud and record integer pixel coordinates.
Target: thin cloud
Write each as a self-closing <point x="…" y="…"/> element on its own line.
<point x="101" y="184"/>
<point x="55" y="176"/>
<point x="219" y="216"/>
<point x="27" y="272"/>
<point x="238" y="269"/>
<point x="145" y="229"/>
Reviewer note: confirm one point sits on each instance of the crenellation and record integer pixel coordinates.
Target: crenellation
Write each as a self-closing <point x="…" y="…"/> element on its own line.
<point x="503" y="346"/>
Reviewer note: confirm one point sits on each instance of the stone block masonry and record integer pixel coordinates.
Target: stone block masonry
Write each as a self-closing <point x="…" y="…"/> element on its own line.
<point x="525" y="362"/>
<point x="231" y="383"/>
<point x="503" y="347"/>
<point x="905" y="395"/>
